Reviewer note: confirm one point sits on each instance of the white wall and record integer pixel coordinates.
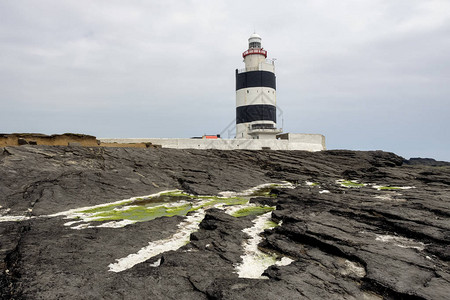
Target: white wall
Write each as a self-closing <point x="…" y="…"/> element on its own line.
<point x="252" y="61"/>
<point x="256" y="95"/>
<point x="308" y="142"/>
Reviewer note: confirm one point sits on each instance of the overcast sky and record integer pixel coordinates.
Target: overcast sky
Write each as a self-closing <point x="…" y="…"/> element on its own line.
<point x="368" y="75"/>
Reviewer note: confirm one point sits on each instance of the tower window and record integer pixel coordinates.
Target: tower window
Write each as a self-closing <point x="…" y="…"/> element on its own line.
<point x="254" y="45"/>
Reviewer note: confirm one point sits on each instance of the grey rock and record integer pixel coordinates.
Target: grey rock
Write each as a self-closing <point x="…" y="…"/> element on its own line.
<point x="346" y="243"/>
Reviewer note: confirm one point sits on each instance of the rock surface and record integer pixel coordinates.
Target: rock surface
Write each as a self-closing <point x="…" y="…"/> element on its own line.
<point x="385" y="236"/>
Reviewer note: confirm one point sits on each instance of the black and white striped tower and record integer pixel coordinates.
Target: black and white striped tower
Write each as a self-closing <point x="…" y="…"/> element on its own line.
<point x="256" y="94"/>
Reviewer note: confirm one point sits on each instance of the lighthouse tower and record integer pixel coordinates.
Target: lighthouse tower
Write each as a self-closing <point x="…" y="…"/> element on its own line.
<point x="256" y="94"/>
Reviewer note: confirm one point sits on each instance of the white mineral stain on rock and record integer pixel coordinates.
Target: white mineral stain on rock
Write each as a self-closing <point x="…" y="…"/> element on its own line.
<point x="156" y="263"/>
<point x="284" y="261"/>
<point x="8" y="218"/>
<point x="390" y="197"/>
<point x="228" y="194"/>
<point x="71" y="223"/>
<point x="324" y="192"/>
<point x="115" y="224"/>
<point x="13" y="218"/>
<point x="352" y="269"/>
<point x="81" y="226"/>
<point x="400" y="241"/>
<point x="393" y="188"/>
<point x="254" y="261"/>
<point x="176" y="241"/>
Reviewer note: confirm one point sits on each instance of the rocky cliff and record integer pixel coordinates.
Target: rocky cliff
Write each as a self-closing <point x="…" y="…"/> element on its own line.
<point x="66" y="139"/>
<point x="129" y="223"/>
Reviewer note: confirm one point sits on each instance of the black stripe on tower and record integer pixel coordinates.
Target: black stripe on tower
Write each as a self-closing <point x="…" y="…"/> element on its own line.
<point x="257" y="112"/>
<point x="255" y="79"/>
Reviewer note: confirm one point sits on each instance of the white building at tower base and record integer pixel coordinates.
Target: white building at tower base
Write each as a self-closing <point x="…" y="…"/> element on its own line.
<point x="285" y="141"/>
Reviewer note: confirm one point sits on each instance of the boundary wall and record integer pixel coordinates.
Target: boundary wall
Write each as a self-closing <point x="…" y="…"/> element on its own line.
<point x="287" y="141"/>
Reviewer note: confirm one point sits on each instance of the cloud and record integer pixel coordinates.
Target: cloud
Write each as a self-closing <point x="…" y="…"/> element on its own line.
<point x="370" y="74"/>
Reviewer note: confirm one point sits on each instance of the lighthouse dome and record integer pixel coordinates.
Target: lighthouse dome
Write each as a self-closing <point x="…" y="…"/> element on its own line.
<point x="254" y="41"/>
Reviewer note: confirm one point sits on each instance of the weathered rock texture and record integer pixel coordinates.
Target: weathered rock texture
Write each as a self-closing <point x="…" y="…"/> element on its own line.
<point x="347" y="243"/>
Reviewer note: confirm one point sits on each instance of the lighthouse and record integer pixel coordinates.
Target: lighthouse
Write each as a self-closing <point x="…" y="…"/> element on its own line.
<point x="256" y="94"/>
<point x="256" y="114"/>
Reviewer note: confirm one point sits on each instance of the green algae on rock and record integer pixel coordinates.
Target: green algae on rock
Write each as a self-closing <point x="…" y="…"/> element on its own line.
<point x="164" y="204"/>
<point x="350" y="183"/>
<point x="252" y="211"/>
<point x="271" y="224"/>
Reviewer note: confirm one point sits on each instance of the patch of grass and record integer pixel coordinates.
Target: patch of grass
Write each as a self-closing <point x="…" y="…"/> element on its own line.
<point x="253" y="211"/>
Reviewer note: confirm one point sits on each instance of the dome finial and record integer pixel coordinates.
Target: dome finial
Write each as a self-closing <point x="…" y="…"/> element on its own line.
<point x="255" y="36"/>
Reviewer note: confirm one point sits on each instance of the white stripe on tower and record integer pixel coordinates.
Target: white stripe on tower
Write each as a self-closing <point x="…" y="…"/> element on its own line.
<point x="255" y="95"/>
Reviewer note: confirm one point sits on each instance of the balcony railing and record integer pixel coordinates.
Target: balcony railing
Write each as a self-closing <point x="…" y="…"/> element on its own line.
<point x="258" y="68"/>
<point x="263" y="128"/>
<point x="255" y="51"/>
